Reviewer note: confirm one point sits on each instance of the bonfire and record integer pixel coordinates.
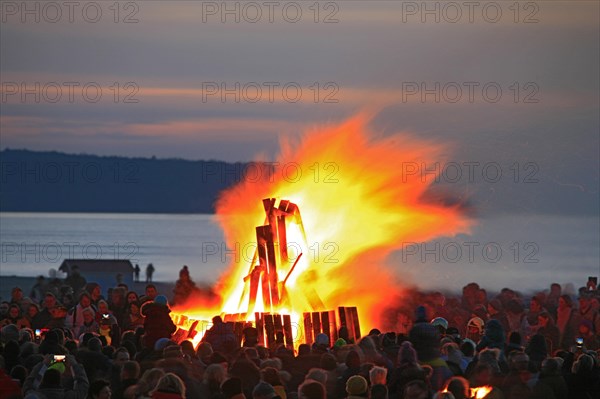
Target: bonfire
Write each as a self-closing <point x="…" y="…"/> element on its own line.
<point x="359" y="198"/>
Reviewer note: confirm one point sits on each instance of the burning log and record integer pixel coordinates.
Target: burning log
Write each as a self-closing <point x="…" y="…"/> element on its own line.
<point x="274" y="329"/>
<point x="349" y="319"/>
<point x="287" y="331"/>
<point x="281" y="230"/>
<point x="273" y="317"/>
<point x="327" y="322"/>
<point x="313" y="298"/>
<point x="272" y="253"/>
<point x="282" y="289"/>
<point x="481" y="392"/>
<point x="263" y="239"/>
<point x="316" y="323"/>
<point x="254" y="278"/>
<point x="180" y="335"/>
<point x="269" y="329"/>
<point x="260" y="327"/>
<point x="192" y="331"/>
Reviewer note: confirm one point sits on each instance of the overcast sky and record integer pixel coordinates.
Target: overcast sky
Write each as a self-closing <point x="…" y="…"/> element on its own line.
<point x="346" y="55"/>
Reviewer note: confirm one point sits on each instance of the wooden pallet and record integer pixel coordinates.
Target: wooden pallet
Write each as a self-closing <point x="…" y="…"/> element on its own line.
<point x="349" y="319"/>
<point x="327" y="323"/>
<point x="274" y="329"/>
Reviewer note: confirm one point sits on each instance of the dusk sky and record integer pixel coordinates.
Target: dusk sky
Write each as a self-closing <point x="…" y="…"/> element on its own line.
<point x="543" y="55"/>
<point x="513" y="83"/>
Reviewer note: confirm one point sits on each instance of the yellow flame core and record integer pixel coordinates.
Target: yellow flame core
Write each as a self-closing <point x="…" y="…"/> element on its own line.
<point x="359" y="199"/>
<point x="480" y="392"/>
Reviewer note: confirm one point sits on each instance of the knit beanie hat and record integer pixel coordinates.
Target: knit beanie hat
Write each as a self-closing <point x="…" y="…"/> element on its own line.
<point x="161" y="300"/>
<point x="161" y="344"/>
<point x="426" y="341"/>
<point x="407" y="354"/>
<point x="356" y="385"/>
<point x="172" y="351"/>
<point x="322" y="339"/>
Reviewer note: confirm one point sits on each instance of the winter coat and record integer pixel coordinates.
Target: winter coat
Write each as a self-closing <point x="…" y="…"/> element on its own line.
<point x="441" y="372"/>
<point x="567" y="336"/>
<point x="222" y="338"/>
<point x="552" y="335"/>
<point x="74" y="319"/>
<point x="157" y="324"/>
<point x="493" y="337"/>
<point x="592" y="315"/>
<point x="80" y="384"/>
<point x="132" y="322"/>
<point x="93" y="327"/>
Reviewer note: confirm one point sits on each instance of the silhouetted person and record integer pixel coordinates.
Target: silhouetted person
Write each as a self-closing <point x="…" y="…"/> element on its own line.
<point x="184" y="287"/>
<point x="149" y="272"/>
<point x="221" y="336"/>
<point x="136" y="273"/>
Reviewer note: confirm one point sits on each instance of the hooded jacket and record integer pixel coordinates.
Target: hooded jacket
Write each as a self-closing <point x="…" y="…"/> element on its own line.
<point x="222" y="338"/>
<point x="157" y="324"/>
<point x="80" y="384"/>
<point x="493" y="336"/>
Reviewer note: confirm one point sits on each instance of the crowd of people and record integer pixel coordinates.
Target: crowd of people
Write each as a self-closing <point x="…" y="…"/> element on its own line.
<point x="544" y="346"/>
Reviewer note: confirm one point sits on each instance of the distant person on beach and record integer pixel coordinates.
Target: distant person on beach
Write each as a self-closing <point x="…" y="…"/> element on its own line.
<point x="136" y="273"/>
<point x="149" y="272"/>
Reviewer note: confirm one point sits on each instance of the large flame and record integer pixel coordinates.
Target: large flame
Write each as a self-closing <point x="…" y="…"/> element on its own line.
<point x="358" y="203"/>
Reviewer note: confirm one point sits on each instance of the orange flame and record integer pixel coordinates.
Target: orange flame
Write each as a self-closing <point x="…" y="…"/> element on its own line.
<point x="481" y="392"/>
<point x="357" y="203"/>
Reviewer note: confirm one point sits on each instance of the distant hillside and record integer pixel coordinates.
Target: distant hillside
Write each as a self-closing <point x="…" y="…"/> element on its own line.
<point x="32" y="181"/>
